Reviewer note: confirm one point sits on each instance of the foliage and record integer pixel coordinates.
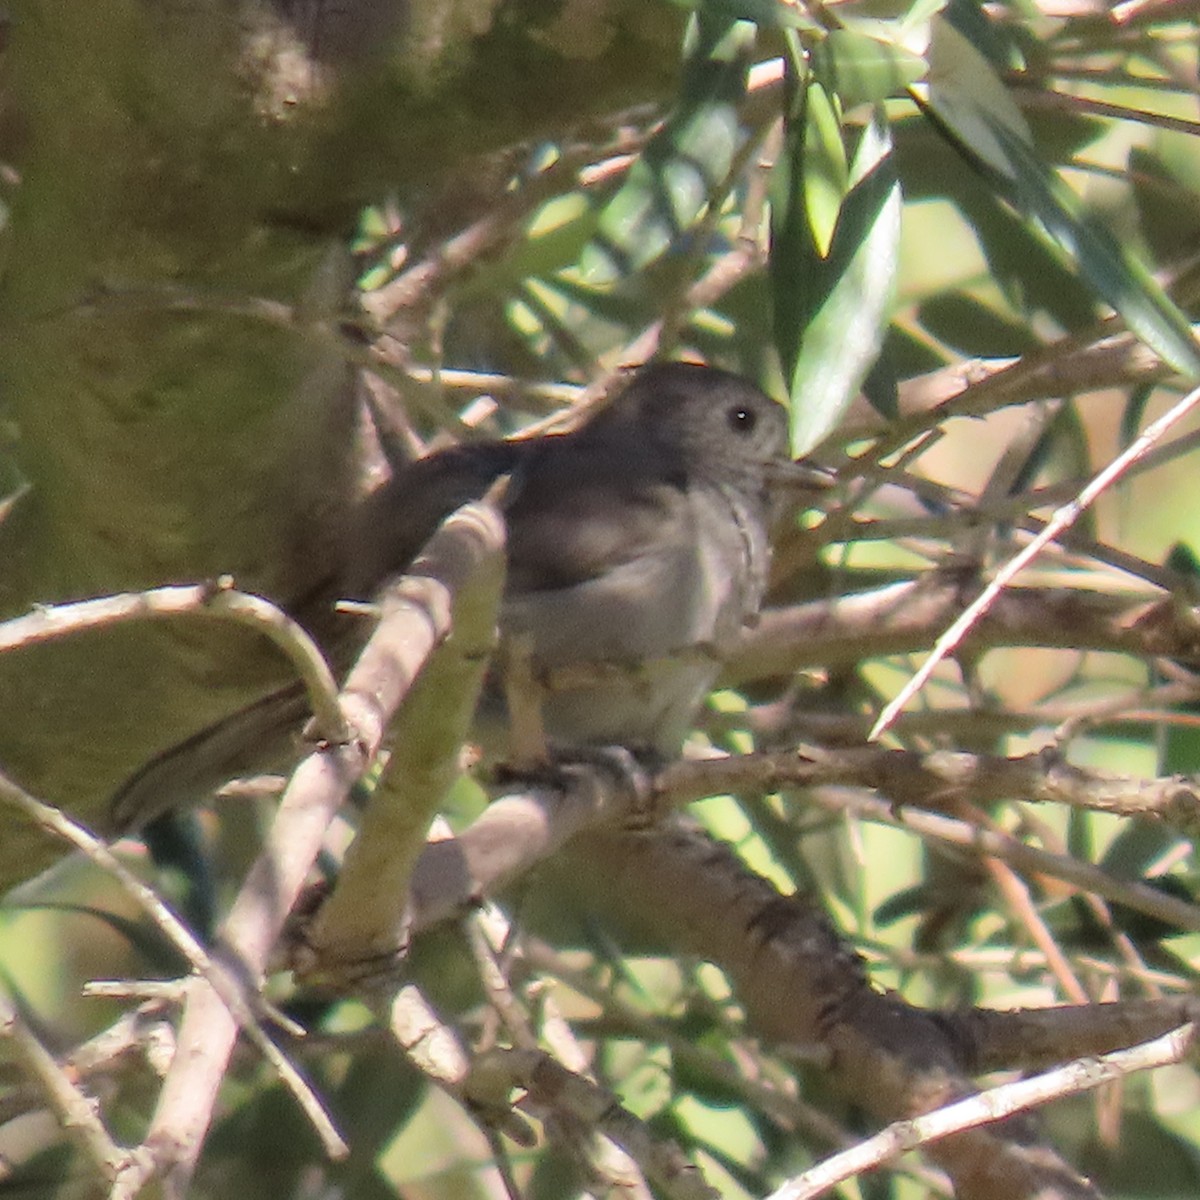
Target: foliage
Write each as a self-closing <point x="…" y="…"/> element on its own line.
<point x="960" y="241"/>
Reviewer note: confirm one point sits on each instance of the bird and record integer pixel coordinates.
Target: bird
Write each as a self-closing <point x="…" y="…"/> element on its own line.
<point x="637" y="550"/>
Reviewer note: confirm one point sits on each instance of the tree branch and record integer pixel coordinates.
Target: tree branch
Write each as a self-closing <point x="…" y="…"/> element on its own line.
<point x="375" y="687"/>
<point x="905" y="617"/>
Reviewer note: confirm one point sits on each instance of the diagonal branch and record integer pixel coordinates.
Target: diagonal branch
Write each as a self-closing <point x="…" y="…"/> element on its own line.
<point x="364" y="922"/>
<point x="374" y="689"/>
<point x="1062" y="519"/>
<point x="801" y="986"/>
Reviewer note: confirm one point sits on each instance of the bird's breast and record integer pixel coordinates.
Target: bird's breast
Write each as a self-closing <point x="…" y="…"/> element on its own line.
<point x="627" y="656"/>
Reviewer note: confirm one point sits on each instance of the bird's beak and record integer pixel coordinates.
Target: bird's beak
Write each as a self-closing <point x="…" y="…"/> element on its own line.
<point x="800" y="475"/>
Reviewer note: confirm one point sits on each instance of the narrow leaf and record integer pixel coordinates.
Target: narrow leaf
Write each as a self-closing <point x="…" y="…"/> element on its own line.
<point x="831" y="310"/>
<point x="669" y="185"/>
<point x="1106" y="264"/>
<point x="826" y="170"/>
<point x="975" y="108"/>
<point x="968" y="95"/>
<point x="863" y="69"/>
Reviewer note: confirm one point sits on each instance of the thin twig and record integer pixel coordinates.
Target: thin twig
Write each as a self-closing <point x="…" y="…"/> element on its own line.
<point x="437" y="1052"/>
<point x="519" y="830"/>
<point x="934" y="827"/>
<point x="1015" y="892"/>
<point x="220" y="600"/>
<point x="1062" y="519"/>
<point x="494" y="979"/>
<point x="552" y="1086"/>
<point x="783" y="1109"/>
<point x="76" y="1112"/>
<point x="225" y="984"/>
<point x="996" y="1103"/>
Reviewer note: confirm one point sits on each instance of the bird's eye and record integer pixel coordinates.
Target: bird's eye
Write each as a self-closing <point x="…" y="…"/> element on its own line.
<point x="741" y="420"/>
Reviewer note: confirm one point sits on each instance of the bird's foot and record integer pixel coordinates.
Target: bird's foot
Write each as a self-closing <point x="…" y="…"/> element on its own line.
<point x="626" y="773"/>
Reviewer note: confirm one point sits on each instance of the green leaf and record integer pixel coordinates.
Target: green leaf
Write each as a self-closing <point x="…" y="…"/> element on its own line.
<point x="922" y="10"/>
<point x="831" y="308"/>
<point x="556" y="238"/>
<point x="881" y="386"/>
<point x="1134" y="412"/>
<point x="974" y="106"/>
<point x="1028" y="267"/>
<point x="1106" y="264"/>
<point x="967" y="94"/>
<point x="146" y="939"/>
<point x="686" y="161"/>
<point x="862" y="69"/>
<point x="974" y="329"/>
<point x="826" y="168"/>
<point x="1167" y="202"/>
<point x="767" y="14"/>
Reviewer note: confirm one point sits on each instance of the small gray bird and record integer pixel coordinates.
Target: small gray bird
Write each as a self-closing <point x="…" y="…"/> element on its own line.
<point x="637" y="549"/>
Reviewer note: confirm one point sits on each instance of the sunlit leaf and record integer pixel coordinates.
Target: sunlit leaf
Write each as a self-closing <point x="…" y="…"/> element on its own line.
<point x="831" y="308"/>
<point x="826" y="171"/>
<point x="862" y="69"/>
<point x="769" y="14"/>
<point x="670" y="184"/>
<point x="966" y="93"/>
<point x="922" y="10"/>
<point x="974" y="106"/>
<point x="1107" y="265"/>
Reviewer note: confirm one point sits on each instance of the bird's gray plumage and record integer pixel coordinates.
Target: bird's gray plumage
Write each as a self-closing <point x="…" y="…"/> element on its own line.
<point x="637" y="548"/>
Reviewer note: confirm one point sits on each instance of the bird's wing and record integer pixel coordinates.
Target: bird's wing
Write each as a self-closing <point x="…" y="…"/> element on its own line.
<point x="402" y="515"/>
<point x="572" y="517"/>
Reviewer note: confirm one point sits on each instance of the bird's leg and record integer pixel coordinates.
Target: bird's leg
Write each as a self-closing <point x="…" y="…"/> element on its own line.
<point x="523" y="696"/>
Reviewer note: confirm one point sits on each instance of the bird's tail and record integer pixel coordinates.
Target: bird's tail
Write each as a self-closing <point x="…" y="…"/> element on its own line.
<point x="259" y="737"/>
